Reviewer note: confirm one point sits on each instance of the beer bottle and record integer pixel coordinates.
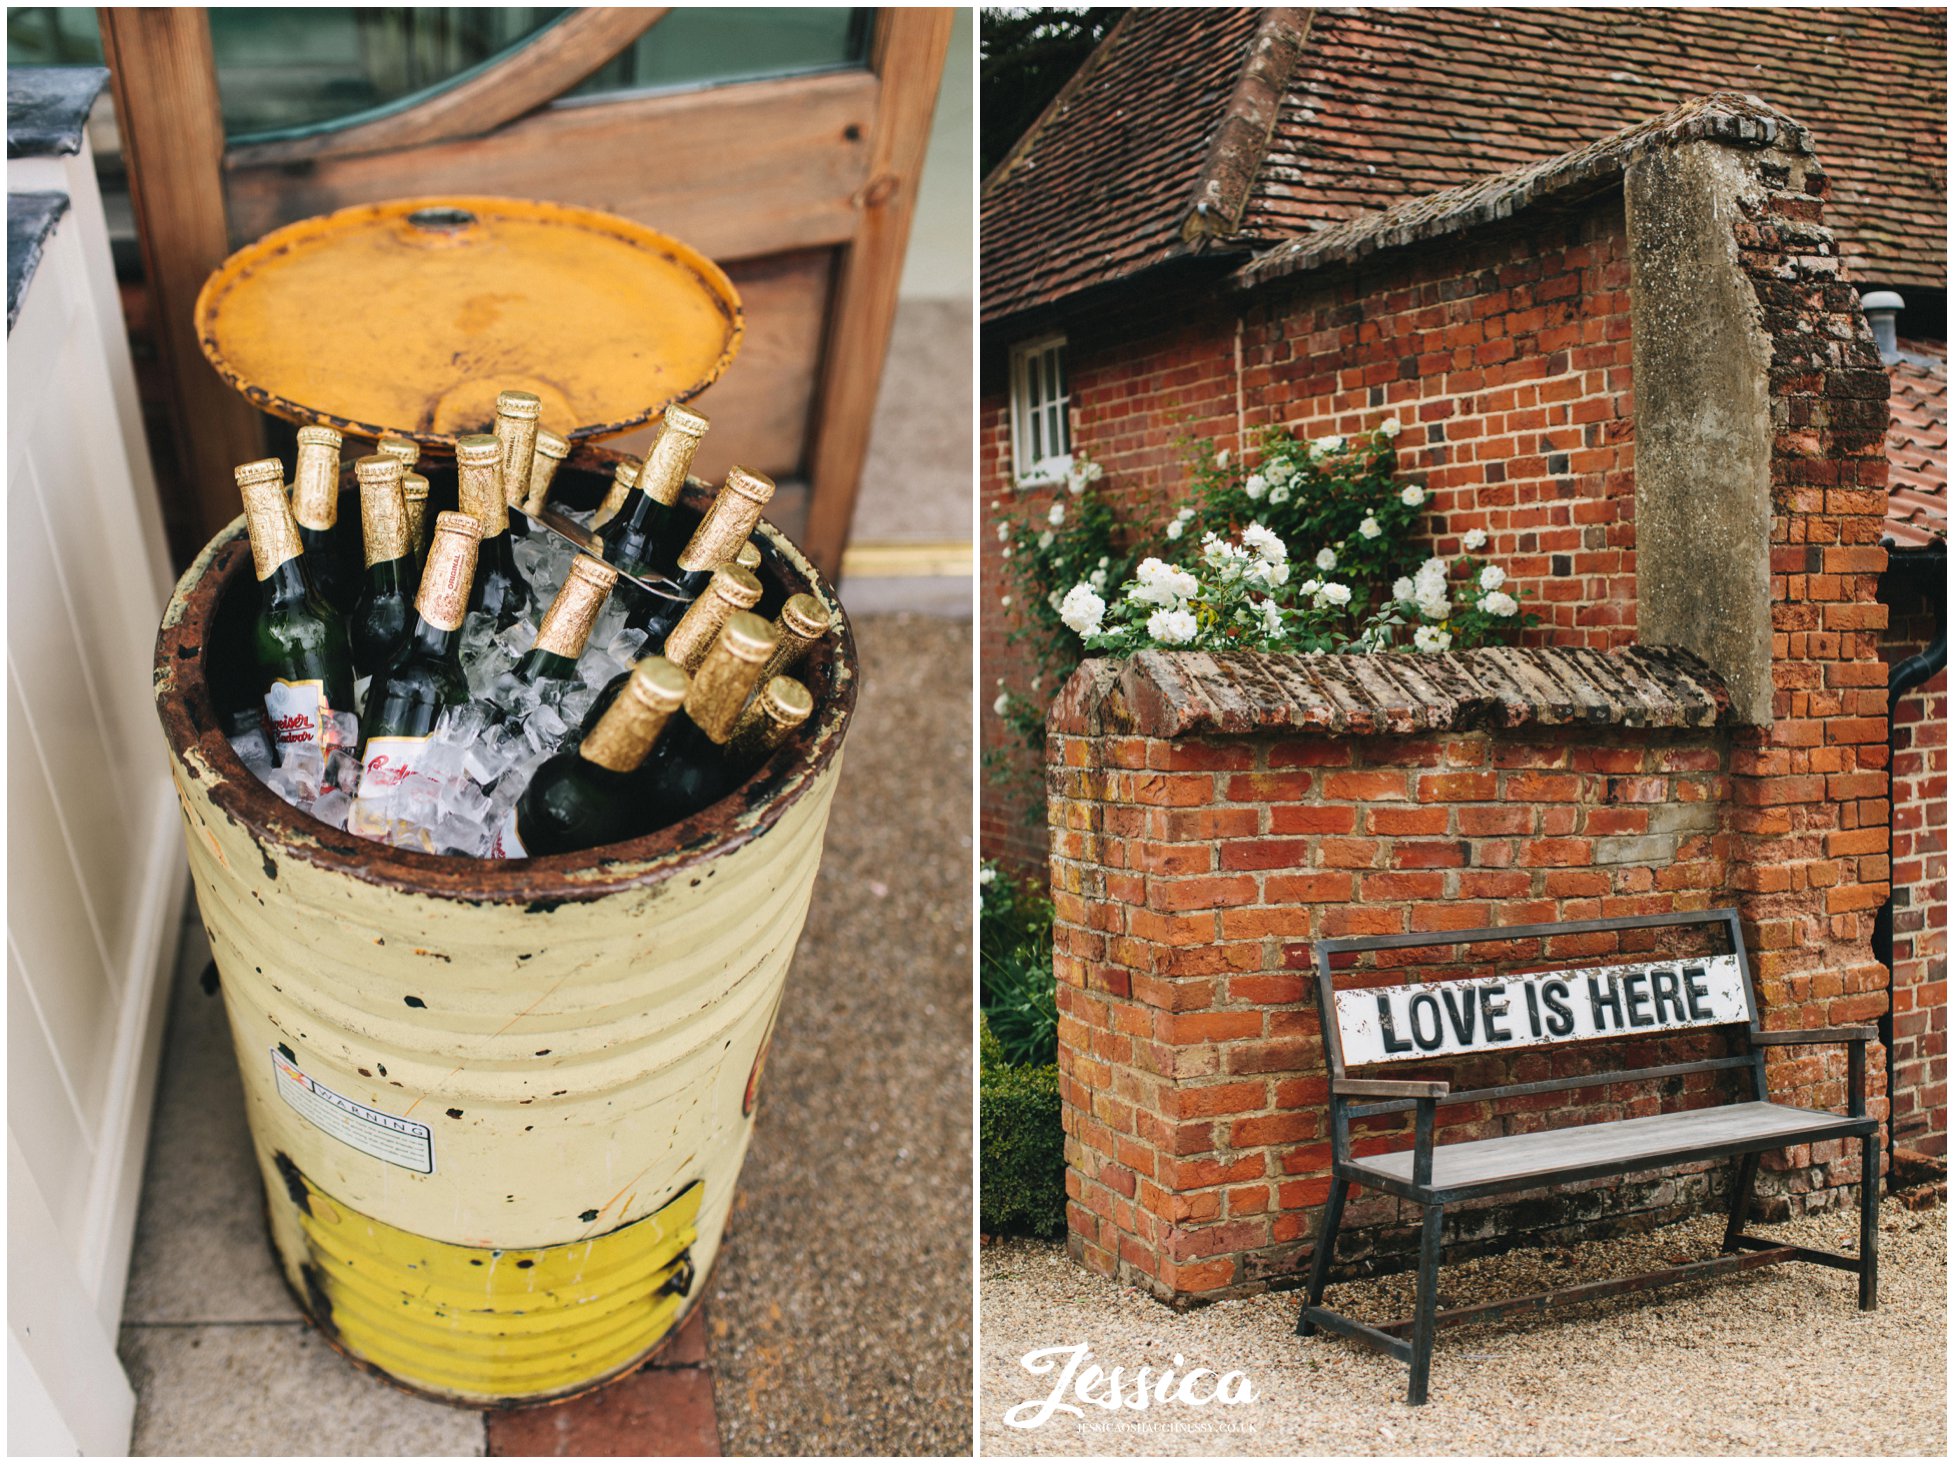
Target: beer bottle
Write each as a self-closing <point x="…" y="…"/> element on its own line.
<point x="414" y="488"/>
<point x="567" y="624"/>
<point x="386" y="603"/>
<point x="802" y="621"/>
<point x="582" y="798"/>
<point x="717" y="540"/>
<point x="315" y="505"/>
<point x="299" y="648"/>
<point x="551" y="450"/>
<point x="624" y="478"/>
<point x="732" y="590"/>
<point x="695" y="765"/>
<point x="515" y="431"/>
<point x="424" y="676"/>
<point x="643" y="532"/>
<point x="500" y="591"/>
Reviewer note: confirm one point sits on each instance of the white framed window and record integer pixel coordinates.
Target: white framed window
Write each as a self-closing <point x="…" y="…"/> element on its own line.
<point x="1041" y="422"/>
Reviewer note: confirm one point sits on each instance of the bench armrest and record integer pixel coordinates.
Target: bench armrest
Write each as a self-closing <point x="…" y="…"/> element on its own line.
<point x="1387" y="1088"/>
<point x="1815" y="1035"/>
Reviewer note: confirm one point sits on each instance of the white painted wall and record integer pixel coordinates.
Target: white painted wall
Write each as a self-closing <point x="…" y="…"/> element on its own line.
<point x="938" y="265"/>
<point x="95" y="872"/>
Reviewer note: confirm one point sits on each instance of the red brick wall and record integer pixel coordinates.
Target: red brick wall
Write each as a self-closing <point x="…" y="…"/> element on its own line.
<point x="1919" y="886"/>
<point x="1505" y="360"/>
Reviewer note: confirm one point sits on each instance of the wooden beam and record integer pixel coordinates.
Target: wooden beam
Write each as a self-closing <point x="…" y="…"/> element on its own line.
<point x="737" y="172"/>
<point x="907" y="58"/>
<point x="539" y="71"/>
<point x="173" y="143"/>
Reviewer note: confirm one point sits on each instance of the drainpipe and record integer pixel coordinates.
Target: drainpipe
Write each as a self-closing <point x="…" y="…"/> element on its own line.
<point x="1899" y="681"/>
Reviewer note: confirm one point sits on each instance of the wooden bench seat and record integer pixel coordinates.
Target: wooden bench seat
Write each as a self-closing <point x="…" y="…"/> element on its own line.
<point x="1389" y="1016"/>
<point x="1491" y="1166"/>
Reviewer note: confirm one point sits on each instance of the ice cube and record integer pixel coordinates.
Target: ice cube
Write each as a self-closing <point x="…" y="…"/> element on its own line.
<point x="517" y="639"/>
<point x="332" y="807"/>
<point x="576" y="702"/>
<point x="253" y="749"/>
<point x="626" y="646"/>
<point x="599" y="668"/>
<point x="343" y="770"/>
<point x="343" y="730"/>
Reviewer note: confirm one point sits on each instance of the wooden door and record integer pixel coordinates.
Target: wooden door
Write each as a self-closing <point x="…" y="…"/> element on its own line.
<point x="802" y="187"/>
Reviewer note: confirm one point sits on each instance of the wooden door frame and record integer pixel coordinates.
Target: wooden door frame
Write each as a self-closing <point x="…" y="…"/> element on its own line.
<point x="166" y="102"/>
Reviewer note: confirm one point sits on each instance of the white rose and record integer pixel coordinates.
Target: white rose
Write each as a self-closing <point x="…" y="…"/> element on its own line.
<point x="1003" y="532"/>
<point x="1435" y="567"/>
<point x="1333" y="594"/>
<point x="1271" y="618"/>
<point x="1256" y="485"/>
<point x="1004" y="602"/>
<point x="986" y="875"/>
<point x="1002" y="704"/>
<point x="1279" y="493"/>
<point x="1402" y="588"/>
<point x="1175" y="527"/>
<point x="1309" y="586"/>
<point x="1431" y="638"/>
<point x="1370" y="528"/>
<point x="1389" y="427"/>
<point x="1326" y="559"/>
<point x="1097" y="579"/>
<point x="1075" y="482"/>
<point x="1045" y="539"/>
<point x="1475" y="539"/>
<point x="1491" y="577"/>
<point x="1265" y="542"/>
<point x="1499" y="603"/>
<point x="1221" y="459"/>
<point x="1412" y="496"/>
<point x="1057" y="515"/>
<point x="1082" y="609"/>
<point x="1327" y="444"/>
<point x="1175" y="627"/>
<point x="1434" y="607"/>
<point x="1281" y="470"/>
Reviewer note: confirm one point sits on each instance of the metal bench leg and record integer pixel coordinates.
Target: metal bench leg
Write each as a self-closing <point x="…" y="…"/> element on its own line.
<point x="1869" y="1223"/>
<point x="1425" y="1319"/>
<point x="1741" y="1186"/>
<point x="1319" y="1261"/>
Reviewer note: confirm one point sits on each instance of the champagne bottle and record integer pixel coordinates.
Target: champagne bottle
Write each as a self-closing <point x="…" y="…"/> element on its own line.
<point x="749" y="557"/>
<point x="694" y="765"/>
<point x="716" y="541"/>
<point x="515" y="430"/>
<point x="567" y="624"/>
<point x="425" y="675"/>
<point x="551" y="450"/>
<point x="732" y="590"/>
<point x="624" y="478"/>
<point x="303" y="661"/>
<point x="386" y="603"/>
<point x="802" y="621"/>
<point x="580" y="799"/>
<point x="415" y="488"/>
<point x="500" y="591"/>
<point x="315" y="504"/>
<point x="643" y="529"/>
<point x="769" y="719"/>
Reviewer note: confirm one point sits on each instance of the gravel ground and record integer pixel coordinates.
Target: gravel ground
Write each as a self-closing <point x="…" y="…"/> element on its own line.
<point x="1775" y="1361"/>
<point x="840" y="1319"/>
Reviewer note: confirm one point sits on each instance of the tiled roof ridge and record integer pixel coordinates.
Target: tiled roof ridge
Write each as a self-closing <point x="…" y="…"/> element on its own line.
<point x="1226" y="181"/>
<point x="1185" y="694"/>
<point x="1731" y="117"/>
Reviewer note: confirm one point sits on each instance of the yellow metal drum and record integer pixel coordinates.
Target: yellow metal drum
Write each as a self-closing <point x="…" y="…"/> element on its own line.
<point x="408" y="318"/>
<point x="500" y="1107"/>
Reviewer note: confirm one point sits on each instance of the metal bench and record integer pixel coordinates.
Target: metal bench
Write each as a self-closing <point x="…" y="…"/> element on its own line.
<point x="1463" y="1019"/>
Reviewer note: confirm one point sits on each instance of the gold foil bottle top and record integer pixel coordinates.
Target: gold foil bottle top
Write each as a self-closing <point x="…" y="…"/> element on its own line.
<point x="450" y="572"/>
<point x="782" y="705"/>
<point x="803" y="620"/>
<point x="624" y="477"/>
<point x="730" y="589"/>
<point x="749" y="557"/>
<point x="567" y="623"/>
<point x="383" y="508"/>
<point x="550" y="452"/>
<point x="634" y="722"/>
<point x="515" y="429"/>
<point x="670" y="458"/>
<point x="415" y="489"/>
<point x="729" y="521"/>
<point x="728" y="674"/>
<point x="478" y="469"/>
<point x="267" y="514"/>
<point x="404" y="448"/>
<point x="315" y="480"/>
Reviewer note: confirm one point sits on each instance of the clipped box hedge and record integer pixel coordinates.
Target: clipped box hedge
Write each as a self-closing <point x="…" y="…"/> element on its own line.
<point x="1022" y="1146"/>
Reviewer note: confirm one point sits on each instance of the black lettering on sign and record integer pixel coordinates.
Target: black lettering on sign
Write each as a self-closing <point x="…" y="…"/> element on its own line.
<point x="1611" y="1003"/>
<point x="1492" y="1009"/>
<point x="1464" y="1014"/>
<point x="1560" y="1016"/>
<point x="1387" y="1025"/>
<point x="1633" y="985"/>
<point x="1668" y="994"/>
<point x="1533" y="1010"/>
<point x="1698" y="993"/>
<point x="1423" y="1004"/>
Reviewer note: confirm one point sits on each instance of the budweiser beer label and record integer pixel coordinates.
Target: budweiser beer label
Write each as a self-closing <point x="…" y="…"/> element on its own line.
<point x="296" y="712"/>
<point x="506" y="842"/>
<point x="393" y="764"/>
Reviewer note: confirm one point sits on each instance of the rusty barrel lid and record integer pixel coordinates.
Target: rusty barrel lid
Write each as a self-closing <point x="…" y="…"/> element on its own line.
<point x="408" y="317"/>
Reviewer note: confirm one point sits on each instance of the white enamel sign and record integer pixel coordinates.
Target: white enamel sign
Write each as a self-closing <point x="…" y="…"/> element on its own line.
<point x="1449" y="1018"/>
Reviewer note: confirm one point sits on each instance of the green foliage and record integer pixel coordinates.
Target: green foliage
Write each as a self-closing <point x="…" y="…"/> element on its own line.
<point x="1021" y="1147"/>
<point x="1019" y="995"/>
<point x="1029" y="52"/>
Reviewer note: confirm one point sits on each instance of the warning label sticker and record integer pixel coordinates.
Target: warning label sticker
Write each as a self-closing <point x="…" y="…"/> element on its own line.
<point x="394" y="1140"/>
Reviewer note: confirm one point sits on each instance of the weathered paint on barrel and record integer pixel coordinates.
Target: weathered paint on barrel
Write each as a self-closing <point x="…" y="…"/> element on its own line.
<point x="500" y="1107"/>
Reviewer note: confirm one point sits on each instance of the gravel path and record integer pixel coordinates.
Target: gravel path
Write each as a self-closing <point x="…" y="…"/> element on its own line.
<point x="1776" y="1361"/>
